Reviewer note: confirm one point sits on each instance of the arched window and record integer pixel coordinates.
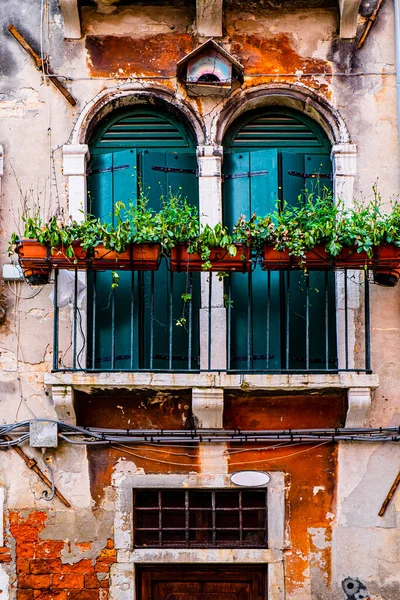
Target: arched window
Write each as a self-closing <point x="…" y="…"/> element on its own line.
<point x="272" y="156"/>
<point x="140" y="150"/>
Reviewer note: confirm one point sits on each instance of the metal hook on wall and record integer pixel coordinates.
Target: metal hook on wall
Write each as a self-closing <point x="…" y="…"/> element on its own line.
<point x="45" y="495"/>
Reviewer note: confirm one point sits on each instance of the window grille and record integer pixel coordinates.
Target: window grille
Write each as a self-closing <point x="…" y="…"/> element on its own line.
<point x="200" y="519"/>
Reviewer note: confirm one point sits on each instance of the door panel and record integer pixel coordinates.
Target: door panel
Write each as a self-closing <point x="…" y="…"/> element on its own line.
<point x="222" y="583"/>
<point x="158" y="181"/>
<point x="112" y="178"/>
<point x="307" y="292"/>
<point x="251" y="185"/>
<point x="121" y="319"/>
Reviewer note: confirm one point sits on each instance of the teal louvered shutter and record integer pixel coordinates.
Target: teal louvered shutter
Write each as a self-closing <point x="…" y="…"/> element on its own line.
<point x="112" y="178"/>
<point x="302" y="175"/>
<point x="251" y="185"/>
<point x="141" y="129"/>
<point x="163" y="173"/>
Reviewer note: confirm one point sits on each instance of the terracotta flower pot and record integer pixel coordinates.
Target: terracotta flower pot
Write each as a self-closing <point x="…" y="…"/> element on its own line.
<point x="34" y="259"/>
<point x="138" y="257"/>
<point x="349" y="258"/>
<point x="387" y="265"/>
<point x="60" y="260"/>
<point x="220" y="259"/>
<point x="317" y="258"/>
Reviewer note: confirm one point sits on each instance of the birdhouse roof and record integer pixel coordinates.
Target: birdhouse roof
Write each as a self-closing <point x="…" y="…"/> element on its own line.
<point x="236" y="65"/>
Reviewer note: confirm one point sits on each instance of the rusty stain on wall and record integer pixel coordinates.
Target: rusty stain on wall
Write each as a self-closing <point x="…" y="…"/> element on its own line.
<point x="124" y="56"/>
<point x="136" y="410"/>
<point x="311" y="470"/>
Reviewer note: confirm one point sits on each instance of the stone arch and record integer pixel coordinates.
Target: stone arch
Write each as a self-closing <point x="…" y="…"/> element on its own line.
<point x="297" y="97"/>
<point x="131" y="95"/>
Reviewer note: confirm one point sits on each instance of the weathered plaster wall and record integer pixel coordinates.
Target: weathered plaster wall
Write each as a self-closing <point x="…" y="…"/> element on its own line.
<point x="333" y="497"/>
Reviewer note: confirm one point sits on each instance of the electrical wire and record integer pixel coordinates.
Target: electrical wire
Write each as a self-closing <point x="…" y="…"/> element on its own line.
<point x="24" y="297"/>
<point x="149" y="439"/>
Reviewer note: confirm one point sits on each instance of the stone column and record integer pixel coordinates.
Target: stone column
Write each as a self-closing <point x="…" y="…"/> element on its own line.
<point x="344" y="163"/>
<point x="210" y="205"/>
<point x="75" y="159"/>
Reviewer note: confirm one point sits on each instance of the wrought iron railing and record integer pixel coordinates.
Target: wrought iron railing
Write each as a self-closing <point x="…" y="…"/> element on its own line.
<point x="259" y="322"/>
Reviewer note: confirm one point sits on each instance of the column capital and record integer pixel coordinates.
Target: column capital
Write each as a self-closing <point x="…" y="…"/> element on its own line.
<point x="63" y="400"/>
<point x="359" y="402"/>
<point x="75" y="157"/>
<point x="208" y="407"/>
<point x="209" y="151"/>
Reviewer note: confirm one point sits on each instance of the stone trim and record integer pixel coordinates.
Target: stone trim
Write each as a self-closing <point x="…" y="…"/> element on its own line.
<point x="72" y="21"/>
<point x="63" y="401"/>
<point x="123" y="573"/>
<point x="348" y="18"/>
<point x="294" y="95"/>
<point x="209" y="18"/>
<point x="75" y="159"/>
<point x="84" y="381"/>
<point x="208" y="407"/>
<point x="359" y="402"/>
<point x="129" y="94"/>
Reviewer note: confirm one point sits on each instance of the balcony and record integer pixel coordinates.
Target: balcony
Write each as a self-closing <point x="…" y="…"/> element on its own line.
<point x="262" y="322"/>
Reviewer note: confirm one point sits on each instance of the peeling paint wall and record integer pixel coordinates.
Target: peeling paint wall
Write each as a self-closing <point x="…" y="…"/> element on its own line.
<point x="333" y="494"/>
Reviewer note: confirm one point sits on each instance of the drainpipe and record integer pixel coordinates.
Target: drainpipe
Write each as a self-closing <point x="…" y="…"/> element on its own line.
<point x="397" y="41"/>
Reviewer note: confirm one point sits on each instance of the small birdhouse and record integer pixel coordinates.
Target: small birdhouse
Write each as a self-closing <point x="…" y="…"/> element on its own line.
<point x="209" y="70"/>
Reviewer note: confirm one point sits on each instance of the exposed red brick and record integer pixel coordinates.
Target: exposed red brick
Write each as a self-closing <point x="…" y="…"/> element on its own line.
<point x="38" y="582"/>
<point x="22" y="566"/>
<point x="108" y="554"/>
<point x="91" y="581"/>
<point x="41" y="573"/>
<point x="25" y="595"/>
<point x="47" y="595"/>
<point x="84" y="546"/>
<point x="48" y="549"/>
<point x="102" y="567"/>
<point x="38" y="519"/>
<point x="82" y="594"/>
<point x="83" y="566"/>
<point x="25" y="533"/>
<point x="68" y="581"/>
<point x="41" y="566"/>
<point x="25" y="550"/>
<point x="5" y="555"/>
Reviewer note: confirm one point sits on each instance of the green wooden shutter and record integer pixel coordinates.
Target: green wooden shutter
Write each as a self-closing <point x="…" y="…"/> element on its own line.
<point x="251" y="185"/>
<point x="162" y="173"/>
<point x="112" y="177"/>
<point x="295" y="185"/>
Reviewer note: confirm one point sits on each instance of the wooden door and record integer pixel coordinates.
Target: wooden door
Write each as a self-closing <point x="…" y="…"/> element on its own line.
<point x="188" y="583"/>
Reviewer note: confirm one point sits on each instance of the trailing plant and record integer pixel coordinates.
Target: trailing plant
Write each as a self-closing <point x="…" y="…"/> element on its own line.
<point x="301" y="227"/>
<point x="178" y="221"/>
<point x="212" y="237"/>
<point x="366" y="227"/>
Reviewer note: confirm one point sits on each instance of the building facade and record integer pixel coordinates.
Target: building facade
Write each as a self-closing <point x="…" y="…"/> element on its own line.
<point x="133" y="96"/>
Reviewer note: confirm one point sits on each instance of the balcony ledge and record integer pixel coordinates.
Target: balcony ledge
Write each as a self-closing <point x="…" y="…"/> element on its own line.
<point x="86" y="382"/>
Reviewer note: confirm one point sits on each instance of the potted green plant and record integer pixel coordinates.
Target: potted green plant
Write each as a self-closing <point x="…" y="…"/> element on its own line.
<point x="369" y="238"/>
<point x="299" y="236"/>
<point x="195" y="248"/>
<point x="132" y="243"/>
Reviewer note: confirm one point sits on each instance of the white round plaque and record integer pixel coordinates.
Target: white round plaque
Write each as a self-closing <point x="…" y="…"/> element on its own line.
<point x="250" y="478"/>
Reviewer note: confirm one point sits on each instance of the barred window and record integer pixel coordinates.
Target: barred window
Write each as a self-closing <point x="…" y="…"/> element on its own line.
<point x="200" y="518"/>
